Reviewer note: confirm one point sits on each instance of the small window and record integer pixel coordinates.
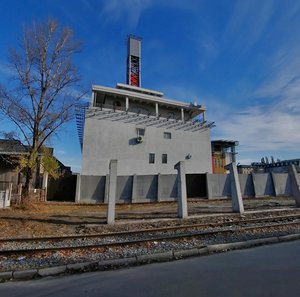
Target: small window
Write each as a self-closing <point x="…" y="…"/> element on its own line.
<point x="164" y="158"/>
<point x="140" y="131"/>
<point x="167" y="135"/>
<point x="151" y="158"/>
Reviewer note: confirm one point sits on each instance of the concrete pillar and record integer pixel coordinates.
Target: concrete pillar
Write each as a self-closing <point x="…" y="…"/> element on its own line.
<point x="236" y="195"/>
<point x="93" y="99"/>
<point x="78" y="188"/>
<point x="159" y="188"/>
<point x="295" y="184"/>
<point x="181" y="191"/>
<point x="156" y="110"/>
<point x="45" y="180"/>
<point x="6" y="198"/>
<point x="127" y="103"/>
<point x="182" y="114"/>
<point x="45" y="183"/>
<point x="134" y="194"/>
<point x="112" y="191"/>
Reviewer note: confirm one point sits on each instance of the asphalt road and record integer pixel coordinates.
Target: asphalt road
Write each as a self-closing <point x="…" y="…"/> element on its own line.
<point x="265" y="271"/>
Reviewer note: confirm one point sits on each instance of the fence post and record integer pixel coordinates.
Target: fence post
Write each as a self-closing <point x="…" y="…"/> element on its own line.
<point x="295" y="184"/>
<point x="78" y="188"/>
<point x="236" y="196"/>
<point x="112" y="191"/>
<point x="181" y="191"/>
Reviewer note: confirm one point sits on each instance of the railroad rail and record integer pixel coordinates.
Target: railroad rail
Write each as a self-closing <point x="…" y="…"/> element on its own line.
<point x="139" y="237"/>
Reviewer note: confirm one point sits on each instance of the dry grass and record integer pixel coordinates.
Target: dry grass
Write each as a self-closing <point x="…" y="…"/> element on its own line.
<point x="49" y="219"/>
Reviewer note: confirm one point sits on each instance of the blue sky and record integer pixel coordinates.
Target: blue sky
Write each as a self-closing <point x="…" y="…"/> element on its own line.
<point x="241" y="59"/>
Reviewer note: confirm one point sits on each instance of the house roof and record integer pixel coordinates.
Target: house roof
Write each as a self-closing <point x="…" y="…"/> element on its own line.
<point x="225" y="143"/>
<point x="12" y="146"/>
<point x="15" y="147"/>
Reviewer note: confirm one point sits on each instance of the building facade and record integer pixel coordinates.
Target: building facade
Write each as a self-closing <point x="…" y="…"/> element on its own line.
<point x="145" y="132"/>
<point x="223" y="153"/>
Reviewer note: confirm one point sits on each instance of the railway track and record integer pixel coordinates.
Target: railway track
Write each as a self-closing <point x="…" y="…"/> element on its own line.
<point x="103" y="241"/>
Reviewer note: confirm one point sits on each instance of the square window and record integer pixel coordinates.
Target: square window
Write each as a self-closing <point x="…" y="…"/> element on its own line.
<point x="151" y="158"/>
<point x="164" y="158"/>
<point x="140" y="131"/>
<point x="167" y="135"/>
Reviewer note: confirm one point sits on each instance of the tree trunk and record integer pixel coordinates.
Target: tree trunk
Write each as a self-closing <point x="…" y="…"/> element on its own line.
<point x="25" y="193"/>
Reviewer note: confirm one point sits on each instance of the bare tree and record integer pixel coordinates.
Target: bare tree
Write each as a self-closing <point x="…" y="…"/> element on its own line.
<point x="45" y="88"/>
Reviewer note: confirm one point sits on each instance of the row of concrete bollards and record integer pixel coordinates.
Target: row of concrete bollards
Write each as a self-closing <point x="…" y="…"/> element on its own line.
<point x="182" y="210"/>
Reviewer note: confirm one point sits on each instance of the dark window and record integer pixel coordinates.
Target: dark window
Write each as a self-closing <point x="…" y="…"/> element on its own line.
<point x="140" y="132"/>
<point x="164" y="158"/>
<point x="167" y="135"/>
<point x="151" y="158"/>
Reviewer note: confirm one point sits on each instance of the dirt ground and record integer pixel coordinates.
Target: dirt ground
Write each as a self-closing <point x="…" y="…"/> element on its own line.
<point x="55" y="219"/>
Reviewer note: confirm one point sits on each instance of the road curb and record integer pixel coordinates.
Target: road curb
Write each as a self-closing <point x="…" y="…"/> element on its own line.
<point x="141" y="259"/>
<point x="51" y="271"/>
<point x="159" y="257"/>
<point x="82" y="267"/>
<point x="117" y="263"/>
<point x="289" y="237"/>
<point x="25" y="274"/>
<point x="186" y="253"/>
<point x="7" y="275"/>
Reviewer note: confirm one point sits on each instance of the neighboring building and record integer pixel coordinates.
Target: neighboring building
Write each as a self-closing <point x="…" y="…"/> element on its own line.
<point x="223" y="153"/>
<point x="245" y="169"/>
<point x="279" y="166"/>
<point x="10" y="152"/>
<point x="264" y="166"/>
<point x="145" y="132"/>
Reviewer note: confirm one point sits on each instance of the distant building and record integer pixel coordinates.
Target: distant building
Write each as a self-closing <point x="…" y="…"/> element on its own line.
<point x="223" y="153"/>
<point x="245" y="169"/>
<point x="278" y="166"/>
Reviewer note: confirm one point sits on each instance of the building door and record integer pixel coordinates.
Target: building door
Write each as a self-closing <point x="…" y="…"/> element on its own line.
<point x="196" y="185"/>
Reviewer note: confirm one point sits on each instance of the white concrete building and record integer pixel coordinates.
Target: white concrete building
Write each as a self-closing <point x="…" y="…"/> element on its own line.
<point x="145" y="132"/>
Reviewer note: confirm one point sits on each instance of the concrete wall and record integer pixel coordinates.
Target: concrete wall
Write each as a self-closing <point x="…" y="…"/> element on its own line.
<point x="282" y="184"/>
<point x="92" y="189"/>
<point x="124" y="189"/>
<point x="163" y="187"/>
<point x="246" y="184"/>
<point x="218" y="186"/>
<point x="167" y="187"/>
<point x="106" y="139"/>
<point x="263" y="184"/>
<point x="146" y="188"/>
<point x="142" y="188"/>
